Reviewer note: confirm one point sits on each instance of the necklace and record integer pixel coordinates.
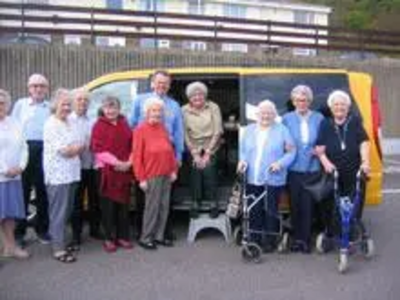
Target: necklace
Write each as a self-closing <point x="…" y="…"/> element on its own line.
<point x="341" y="134"/>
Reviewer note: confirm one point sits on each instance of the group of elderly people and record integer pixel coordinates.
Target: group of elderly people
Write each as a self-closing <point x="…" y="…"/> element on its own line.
<point x="276" y="154"/>
<point x="56" y="149"/>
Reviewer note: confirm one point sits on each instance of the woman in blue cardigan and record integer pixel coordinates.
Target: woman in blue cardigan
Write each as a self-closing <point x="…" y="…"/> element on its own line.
<point x="303" y="125"/>
<point x="266" y="152"/>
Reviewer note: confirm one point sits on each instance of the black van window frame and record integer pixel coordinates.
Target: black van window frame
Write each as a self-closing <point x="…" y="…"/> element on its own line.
<point x="278" y="86"/>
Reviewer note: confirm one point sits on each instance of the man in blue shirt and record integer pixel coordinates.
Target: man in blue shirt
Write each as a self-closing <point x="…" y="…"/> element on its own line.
<point x="173" y="121"/>
<point x="31" y="113"/>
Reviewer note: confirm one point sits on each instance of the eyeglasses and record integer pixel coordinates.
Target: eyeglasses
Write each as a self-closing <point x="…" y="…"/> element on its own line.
<point x="38" y="86"/>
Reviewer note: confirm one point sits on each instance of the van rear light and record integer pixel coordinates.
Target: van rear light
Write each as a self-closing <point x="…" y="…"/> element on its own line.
<point x="376" y="119"/>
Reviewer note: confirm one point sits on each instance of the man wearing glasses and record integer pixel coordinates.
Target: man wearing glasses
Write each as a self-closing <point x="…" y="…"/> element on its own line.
<point x="32" y="112"/>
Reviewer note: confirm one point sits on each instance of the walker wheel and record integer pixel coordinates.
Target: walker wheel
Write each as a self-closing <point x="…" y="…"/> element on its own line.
<point x="320" y="243"/>
<point x="251" y="252"/>
<point x="343" y="263"/>
<point x="237" y="235"/>
<point x="368" y="248"/>
<point x="283" y="246"/>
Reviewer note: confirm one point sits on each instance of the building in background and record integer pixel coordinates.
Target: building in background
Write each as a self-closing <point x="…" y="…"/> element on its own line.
<point x="281" y="10"/>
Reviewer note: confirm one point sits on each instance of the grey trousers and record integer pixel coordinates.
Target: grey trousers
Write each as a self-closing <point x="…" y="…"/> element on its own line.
<point x="61" y="199"/>
<point x="156" y="209"/>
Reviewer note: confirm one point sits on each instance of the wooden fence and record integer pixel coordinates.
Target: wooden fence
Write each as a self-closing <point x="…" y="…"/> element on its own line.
<point x="70" y="67"/>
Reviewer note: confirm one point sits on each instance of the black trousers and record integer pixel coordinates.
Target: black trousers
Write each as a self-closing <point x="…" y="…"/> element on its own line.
<point x="329" y="210"/>
<point x="89" y="182"/>
<point x="114" y="219"/>
<point x="33" y="178"/>
<point x="301" y="207"/>
<point x="203" y="184"/>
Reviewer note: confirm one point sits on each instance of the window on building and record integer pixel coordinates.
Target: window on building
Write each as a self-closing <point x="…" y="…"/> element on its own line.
<point x="195" y="7"/>
<point x="304" y="17"/>
<point x="114" y="4"/>
<point x="195" y="45"/>
<point x="234" y="10"/>
<point x="104" y="41"/>
<point x="152" y="5"/>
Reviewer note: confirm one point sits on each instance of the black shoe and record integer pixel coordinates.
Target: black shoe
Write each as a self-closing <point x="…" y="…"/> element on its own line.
<point x="268" y="248"/>
<point x="97" y="235"/>
<point x="164" y="242"/>
<point x="214" y="213"/>
<point x="148" y="245"/>
<point x="295" y="248"/>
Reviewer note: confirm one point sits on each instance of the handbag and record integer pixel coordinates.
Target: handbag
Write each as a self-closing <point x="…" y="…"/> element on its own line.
<point x="319" y="185"/>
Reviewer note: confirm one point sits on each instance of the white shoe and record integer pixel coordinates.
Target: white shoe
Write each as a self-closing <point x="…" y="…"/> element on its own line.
<point x="17" y="253"/>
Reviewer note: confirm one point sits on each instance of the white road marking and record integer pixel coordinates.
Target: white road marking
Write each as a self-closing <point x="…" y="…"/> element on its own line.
<point x="391" y="191"/>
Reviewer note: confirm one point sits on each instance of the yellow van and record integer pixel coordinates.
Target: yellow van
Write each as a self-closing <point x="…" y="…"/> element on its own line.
<point x="238" y="91"/>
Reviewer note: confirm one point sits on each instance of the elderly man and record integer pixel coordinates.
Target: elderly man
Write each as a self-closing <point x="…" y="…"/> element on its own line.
<point x="81" y="100"/>
<point x="172" y="119"/>
<point x="31" y="113"/>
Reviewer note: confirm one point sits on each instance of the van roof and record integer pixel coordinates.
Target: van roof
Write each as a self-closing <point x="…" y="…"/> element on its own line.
<point x="119" y="76"/>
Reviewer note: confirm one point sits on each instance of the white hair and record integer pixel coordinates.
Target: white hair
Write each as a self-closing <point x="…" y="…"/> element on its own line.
<point x="300" y="90"/>
<point x="80" y="91"/>
<point x="37" y="79"/>
<point x="194" y="87"/>
<point x="338" y="94"/>
<point x="7" y="98"/>
<point x="58" y="95"/>
<point x="267" y="104"/>
<point x="151" y="102"/>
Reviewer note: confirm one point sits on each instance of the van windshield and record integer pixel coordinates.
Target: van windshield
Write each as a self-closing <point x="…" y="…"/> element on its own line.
<point x="277" y="87"/>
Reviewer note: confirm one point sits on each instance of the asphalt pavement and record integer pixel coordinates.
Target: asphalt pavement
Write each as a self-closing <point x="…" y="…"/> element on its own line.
<point x="211" y="269"/>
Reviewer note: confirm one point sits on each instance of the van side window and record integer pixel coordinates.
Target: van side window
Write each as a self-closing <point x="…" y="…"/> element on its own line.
<point x="125" y="91"/>
<point x="277" y="87"/>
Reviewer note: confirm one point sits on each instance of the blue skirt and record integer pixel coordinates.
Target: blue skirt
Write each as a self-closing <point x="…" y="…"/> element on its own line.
<point x="11" y="200"/>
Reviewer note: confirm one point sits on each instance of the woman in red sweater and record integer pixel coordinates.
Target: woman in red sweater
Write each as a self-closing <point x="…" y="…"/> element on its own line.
<point x="155" y="168"/>
<point x="111" y="143"/>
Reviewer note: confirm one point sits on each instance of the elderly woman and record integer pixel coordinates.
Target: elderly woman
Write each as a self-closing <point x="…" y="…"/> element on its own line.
<point x="266" y="151"/>
<point x="343" y="144"/>
<point x="155" y="167"/>
<point x="13" y="160"/>
<point x="303" y="125"/>
<point x="111" y="143"/>
<point x="203" y="131"/>
<point x="81" y="100"/>
<point x="61" y="165"/>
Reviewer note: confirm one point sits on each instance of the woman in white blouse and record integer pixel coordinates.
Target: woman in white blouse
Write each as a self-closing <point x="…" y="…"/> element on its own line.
<point x="13" y="160"/>
<point x="61" y="164"/>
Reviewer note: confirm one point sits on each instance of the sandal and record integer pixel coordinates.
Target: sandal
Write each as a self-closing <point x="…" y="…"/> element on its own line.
<point x="64" y="257"/>
<point x="73" y="247"/>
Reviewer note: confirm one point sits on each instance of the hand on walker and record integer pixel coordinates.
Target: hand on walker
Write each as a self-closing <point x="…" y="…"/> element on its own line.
<point x="275" y="167"/>
<point x="242" y="167"/>
<point x="365" y="168"/>
<point x="329" y="167"/>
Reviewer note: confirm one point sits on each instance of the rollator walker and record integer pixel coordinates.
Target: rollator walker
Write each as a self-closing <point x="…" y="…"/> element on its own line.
<point x="350" y="234"/>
